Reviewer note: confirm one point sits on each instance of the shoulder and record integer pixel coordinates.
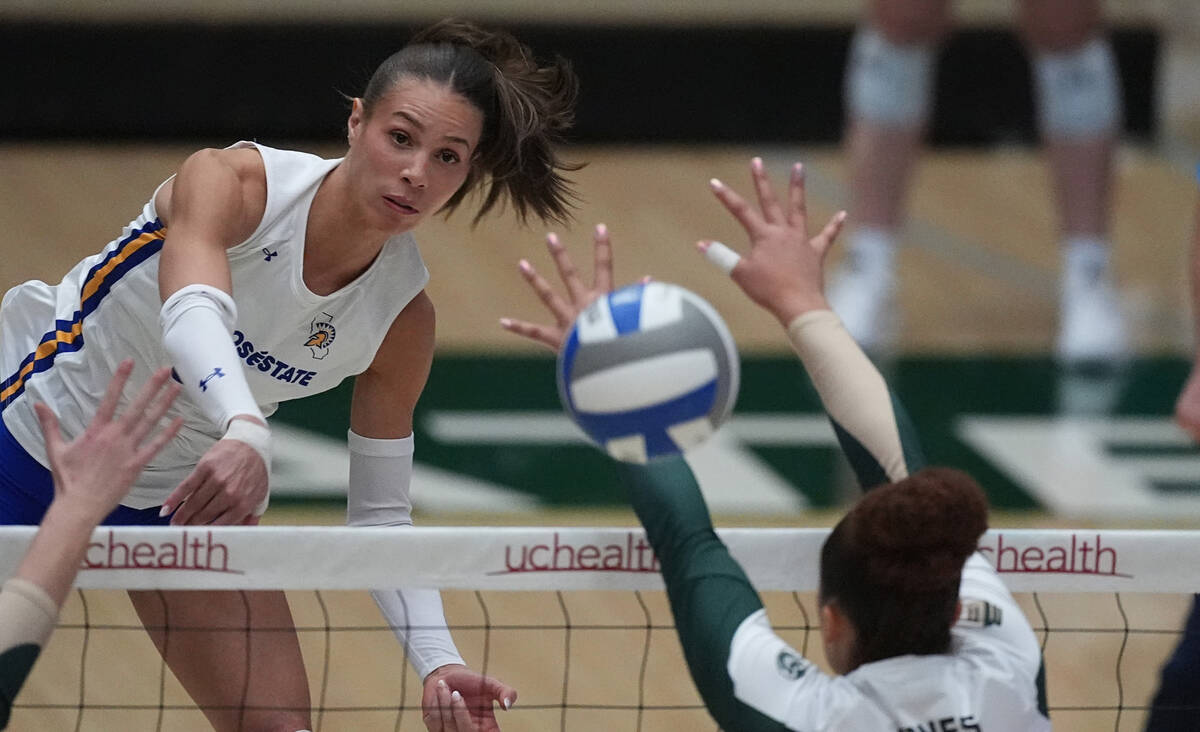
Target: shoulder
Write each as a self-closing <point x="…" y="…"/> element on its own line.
<point x="409" y="339"/>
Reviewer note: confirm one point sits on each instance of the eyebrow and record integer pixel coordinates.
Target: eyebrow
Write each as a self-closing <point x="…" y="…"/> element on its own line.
<point x="421" y="128"/>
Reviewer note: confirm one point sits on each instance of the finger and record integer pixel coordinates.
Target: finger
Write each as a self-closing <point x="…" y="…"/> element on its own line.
<point x="771" y="210"/>
<point x="50" y="431"/>
<point x="566" y="269"/>
<point x="504" y="694"/>
<point x="444" y="711"/>
<point x="547" y="336"/>
<point x="147" y="452"/>
<point x="462" y="718"/>
<point x="823" y="241"/>
<point x="602" y="266"/>
<point x="221" y="506"/>
<point x="184" y="490"/>
<point x="736" y="205"/>
<point x="150" y="416"/>
<point x="797" y="205"/>
<point x="722" y="256"/>
<point x="561" y="311"/>
<point x="112" y="395"/>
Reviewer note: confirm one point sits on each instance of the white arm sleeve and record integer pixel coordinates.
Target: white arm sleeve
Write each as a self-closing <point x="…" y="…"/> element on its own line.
<point x="197" y="324"/>
<point x="380" y="473"/>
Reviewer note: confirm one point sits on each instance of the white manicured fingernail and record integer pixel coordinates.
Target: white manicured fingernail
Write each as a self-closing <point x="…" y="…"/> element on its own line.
<point x="552" y="239"/>
<point x="507" y="703"/>
<point x="442" y="683"/>
<point x="164" y="511"/>
<point x="757" y="163"/>
<point x="455" y="696"/>
<point x="601" y="230"/>
<point x="524" y="265"/>
<point x="841" y="216"/>
<point x="715" y="184"/>
<point x="505" y="323"/>
<point x="722" y="256"/>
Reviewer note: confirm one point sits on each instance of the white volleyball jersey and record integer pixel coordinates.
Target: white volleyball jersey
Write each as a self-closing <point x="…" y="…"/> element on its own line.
<point x="987" y="682"/>
<point x="61" y="344"/>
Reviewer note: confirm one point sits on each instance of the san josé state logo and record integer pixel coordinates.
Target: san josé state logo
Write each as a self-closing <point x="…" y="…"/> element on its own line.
<point x="320" y="335"/>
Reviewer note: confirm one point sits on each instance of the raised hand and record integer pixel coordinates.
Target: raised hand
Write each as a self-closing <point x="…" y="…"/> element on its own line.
<point x="564" y="310"/>
<point x="783" y="271"/>
<point x="94" y="471"/>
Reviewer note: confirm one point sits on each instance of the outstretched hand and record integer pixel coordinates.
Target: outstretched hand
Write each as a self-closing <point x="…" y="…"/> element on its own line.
<point x="458" y="699"/>
<point x="578" y="296"/>
<point x="94" y="471"/>
<point x="783" y="271"/>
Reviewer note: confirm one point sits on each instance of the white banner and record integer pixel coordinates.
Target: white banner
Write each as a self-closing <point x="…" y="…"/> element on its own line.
<point x="284" y="557"/>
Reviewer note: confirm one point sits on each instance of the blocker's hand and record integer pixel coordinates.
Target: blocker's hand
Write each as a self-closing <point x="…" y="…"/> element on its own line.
<point x="782" y="272"/>
<point x="564" y="310"/>
<point x="457" y="699"/>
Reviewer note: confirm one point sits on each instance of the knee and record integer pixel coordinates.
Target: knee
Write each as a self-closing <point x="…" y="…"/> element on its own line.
<point x="911" y="22"/>
<point x="1059" y="26"/>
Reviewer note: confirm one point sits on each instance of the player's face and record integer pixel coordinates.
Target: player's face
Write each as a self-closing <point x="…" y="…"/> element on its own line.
<point x="413" y="151"/>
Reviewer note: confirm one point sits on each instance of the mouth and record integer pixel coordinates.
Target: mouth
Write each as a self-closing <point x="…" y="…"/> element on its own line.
<point x="401" y="205"/>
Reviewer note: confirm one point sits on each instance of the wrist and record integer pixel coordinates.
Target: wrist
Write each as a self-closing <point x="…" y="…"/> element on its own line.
<point x="75" y="514"/>
<point x="787" y="309"/>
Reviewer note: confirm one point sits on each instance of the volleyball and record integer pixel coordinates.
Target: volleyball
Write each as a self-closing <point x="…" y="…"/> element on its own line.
<point x="648" y="371"/>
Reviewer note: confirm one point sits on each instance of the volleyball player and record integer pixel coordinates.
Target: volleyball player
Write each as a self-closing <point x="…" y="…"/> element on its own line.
<point x="917" y="626"/>
<point x="262" y="275"/>
<point x="889" y="91"/>
<point x="1176" y="703"/>
<point x="91" y="474"/>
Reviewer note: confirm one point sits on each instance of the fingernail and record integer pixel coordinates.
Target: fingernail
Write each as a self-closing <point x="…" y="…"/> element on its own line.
<point x="715" y="184"/>
<point x="601" y="230"/>
<point x="552" y="239"/>
<point x="798" y="170"/>
<point x="524" y="265"/>
<point x="442" y="683"/>
<point x="164" y="510"/>
<point x="507" y="703"/>
<point x="455" y="696"/>
<point x="841" y="215"/>
<point x="646" y="280"/>
<point x="505" y="323"/>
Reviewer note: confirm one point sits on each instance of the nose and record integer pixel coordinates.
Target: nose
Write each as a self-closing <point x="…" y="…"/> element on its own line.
<point x="415" y="169"/>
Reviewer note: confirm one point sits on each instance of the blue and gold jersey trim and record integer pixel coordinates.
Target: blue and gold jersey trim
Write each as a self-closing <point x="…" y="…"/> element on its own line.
<point x="67" y="336"/>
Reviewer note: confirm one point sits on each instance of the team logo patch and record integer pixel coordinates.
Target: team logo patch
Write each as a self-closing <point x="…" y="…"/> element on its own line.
<point x="790" y="665"/>
<point x="320" y="336"/>
<point x="216" y="374"/>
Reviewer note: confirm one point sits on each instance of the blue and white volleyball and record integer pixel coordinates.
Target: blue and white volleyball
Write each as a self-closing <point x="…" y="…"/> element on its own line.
<point x="648" y="371"/>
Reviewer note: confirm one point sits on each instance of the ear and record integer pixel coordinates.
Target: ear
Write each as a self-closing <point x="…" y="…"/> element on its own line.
<point x="354" y="125"/>
<point x="833" y="623"/>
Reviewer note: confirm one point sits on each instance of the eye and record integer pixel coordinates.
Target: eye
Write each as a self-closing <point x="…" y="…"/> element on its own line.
<point x="448" y="156"/>
<point x="401" y="138"/>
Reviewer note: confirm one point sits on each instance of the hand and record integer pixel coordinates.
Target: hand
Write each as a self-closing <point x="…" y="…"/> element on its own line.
<point x="472" y="710"/>
<point x="782" y="272"/>
<point x="564" y="311"/>
<point x="1187" y="407"/>
<point x="93" y="472"/>
<point x="227" y="485"/>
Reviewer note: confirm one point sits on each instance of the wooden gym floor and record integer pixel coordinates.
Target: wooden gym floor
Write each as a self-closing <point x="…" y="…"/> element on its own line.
<point x="978" y="276"/>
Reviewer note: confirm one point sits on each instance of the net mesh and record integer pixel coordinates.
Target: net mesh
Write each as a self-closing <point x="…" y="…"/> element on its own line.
<point x="581" y="659"/>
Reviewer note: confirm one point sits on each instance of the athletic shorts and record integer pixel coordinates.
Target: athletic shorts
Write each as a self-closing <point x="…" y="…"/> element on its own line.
<point x="26" y="489"/>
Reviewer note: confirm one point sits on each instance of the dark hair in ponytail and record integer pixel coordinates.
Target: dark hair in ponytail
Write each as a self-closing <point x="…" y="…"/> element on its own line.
<point x="894" y="562"/>
<point x="525" y="107"/>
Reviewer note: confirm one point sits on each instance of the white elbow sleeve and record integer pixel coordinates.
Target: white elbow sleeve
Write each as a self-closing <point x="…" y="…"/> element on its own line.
<point x="380" y="475"/>
<point x="197" y="324"/>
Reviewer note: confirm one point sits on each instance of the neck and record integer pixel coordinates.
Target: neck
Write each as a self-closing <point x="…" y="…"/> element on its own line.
<point x="340" y="243"/>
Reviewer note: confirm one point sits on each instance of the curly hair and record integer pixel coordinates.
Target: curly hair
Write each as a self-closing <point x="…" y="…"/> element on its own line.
<point x="893" y="564"/>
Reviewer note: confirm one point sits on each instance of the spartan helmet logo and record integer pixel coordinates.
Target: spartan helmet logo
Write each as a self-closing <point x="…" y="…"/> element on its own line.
<point x="320" y="336"/>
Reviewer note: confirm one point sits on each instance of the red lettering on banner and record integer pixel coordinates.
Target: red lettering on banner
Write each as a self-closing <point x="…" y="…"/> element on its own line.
<point x="191" y="553"/>
<point x="635" y="555"/>
<point x="1083" y="555"/>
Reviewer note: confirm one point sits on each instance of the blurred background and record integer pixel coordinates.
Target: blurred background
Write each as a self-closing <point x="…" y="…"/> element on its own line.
<point x="101" y="101"/>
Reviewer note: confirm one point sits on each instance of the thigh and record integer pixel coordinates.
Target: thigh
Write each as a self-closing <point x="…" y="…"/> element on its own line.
<point x="1059" y="25"/>
<point x="235" y="652"/>
<point x="26" y="487"/>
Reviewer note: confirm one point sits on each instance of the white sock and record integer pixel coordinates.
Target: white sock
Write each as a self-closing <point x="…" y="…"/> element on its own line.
<point x="872" y="250"/>
<point x="1085" y="261"/>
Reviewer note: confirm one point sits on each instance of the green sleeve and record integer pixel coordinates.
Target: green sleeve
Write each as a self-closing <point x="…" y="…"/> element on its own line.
<point x="15" y="664"/>
<point x="709" y="593"/>
<point x="862" y="458"/>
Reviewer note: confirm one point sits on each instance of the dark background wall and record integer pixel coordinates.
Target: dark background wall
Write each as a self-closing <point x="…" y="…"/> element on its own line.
<point x="640" y="83"/>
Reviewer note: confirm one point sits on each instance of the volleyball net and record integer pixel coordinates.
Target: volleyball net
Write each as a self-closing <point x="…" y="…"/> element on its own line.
<point x="574" y="618"/>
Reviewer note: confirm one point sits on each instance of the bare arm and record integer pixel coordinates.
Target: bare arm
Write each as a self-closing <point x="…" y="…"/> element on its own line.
<point x="387" y="392"/>
<point x="215" y="202"/>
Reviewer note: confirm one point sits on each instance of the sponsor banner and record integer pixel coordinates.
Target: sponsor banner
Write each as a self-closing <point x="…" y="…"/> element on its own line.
<point x="277" y="557"/>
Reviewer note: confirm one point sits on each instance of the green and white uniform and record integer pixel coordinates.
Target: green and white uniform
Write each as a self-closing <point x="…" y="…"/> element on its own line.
<point x="750" y="679"/>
